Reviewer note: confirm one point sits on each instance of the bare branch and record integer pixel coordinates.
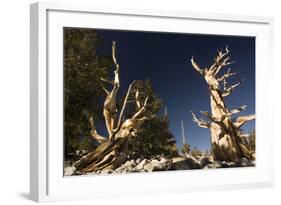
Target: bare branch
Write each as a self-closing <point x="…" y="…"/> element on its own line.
<point x="116" y="78"/>
<point x="141" y="120"/>
<point x="237" y="110"/>
<point x="224" y="84"/>
<point x="105" y="90"/>
<point x="213" y="119"/>
<point x="196" y="66"/>
<point x="109" y="110"/>
<point x="145" y="102"/>
<point x="223" y="64"/>
<point x="123" y="108"/>
<point x="207" y="114"/>
<point x="131" y="101"/>
<point x="142" y="110"/>
<point x="200" y="122"/>
<point x="243" y="119"/>
<point x="137" y="97"/>
<point x="226" y="75"/>
<point x="94" y="132"/>
<point x="136" y="100"/>
<point x="229" y="90"/>
<point x="244" y="135"/>
<point x="116" y="72"/>
<point x="221" y="60"/>
<point x="107" y="81"/>
<point x="222" y="54"/>
<point x="114" y="55"/>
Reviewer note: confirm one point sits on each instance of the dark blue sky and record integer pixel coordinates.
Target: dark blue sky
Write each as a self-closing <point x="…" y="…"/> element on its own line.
<point x="164" y="58"/>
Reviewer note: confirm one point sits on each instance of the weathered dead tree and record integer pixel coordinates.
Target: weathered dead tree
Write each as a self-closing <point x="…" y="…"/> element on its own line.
<point x="113" y="150"/>
<point x="226" y="135"/>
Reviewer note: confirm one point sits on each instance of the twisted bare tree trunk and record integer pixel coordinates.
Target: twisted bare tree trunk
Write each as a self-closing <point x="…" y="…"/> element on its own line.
<point x="226" y="136"/>
<point x="113" y="150"/>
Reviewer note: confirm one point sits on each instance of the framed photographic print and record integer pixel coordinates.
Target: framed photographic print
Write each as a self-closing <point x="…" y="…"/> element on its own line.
<point x="127" y="102"/>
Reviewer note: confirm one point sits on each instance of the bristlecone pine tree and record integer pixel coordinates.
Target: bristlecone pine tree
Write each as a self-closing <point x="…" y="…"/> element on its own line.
<point x="226" y="135"/>
<point x="113" y="150"/>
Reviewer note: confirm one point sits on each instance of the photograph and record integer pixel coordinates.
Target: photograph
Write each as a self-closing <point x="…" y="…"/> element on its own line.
<point x="143" y="101"/>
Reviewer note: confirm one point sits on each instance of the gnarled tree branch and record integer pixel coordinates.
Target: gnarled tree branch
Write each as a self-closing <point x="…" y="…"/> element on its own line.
<point x="226" y="75"/>
<point x="142" y="110"/>
<point x="227" y="91"/>
<point x="237" y="110"/>
<point x="200" y="122"/>
<point x="137" y="98"/>
<point x="123" y="108"/>
<point x="243" y="119"/>
<point x="109" y="110"/>
<point x="221" y="60"/>
<point x="94" y="132"/>
<point x="196" y="66"/>
<point x="107" y="81"/>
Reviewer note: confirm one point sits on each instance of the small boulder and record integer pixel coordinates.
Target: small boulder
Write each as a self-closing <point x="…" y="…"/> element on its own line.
<point x="155" y="165"/>
<point x="245" y="163"/>
<point x="107" y="171"/>
<point x="215" y="165"/>
<point x="229" y="164"/>
<point x="129" y="164"/>
<point x="141" y="164"/>
<point x="204" y="161"/>
<point x="180" y="163"/>
<point x="193" y="162"/>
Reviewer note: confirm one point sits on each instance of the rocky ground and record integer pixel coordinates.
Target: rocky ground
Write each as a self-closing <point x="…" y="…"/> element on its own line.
<point x="160" y="163"/>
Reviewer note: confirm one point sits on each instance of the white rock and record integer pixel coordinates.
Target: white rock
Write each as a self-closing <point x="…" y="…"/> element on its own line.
<point x="141" y="164"/>
<point x="129" y="164"/>
<point x="68" y="171"/>
<point x="107" y="171"/>
<point x="163" y="160"/>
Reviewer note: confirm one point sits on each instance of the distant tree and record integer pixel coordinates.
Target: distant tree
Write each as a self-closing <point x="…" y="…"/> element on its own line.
<point x="83" y="69"/>
<point x="208" y="153"/>
<point x="185" y="148"/>
<point x="195" y="152"/>
<point x="252" y="141"/>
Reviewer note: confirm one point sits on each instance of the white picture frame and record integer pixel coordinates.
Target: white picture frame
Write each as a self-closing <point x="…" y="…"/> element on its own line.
<point x="46" y="168"/>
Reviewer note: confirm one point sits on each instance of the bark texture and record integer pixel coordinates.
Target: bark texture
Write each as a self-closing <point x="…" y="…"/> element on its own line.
<point x="226" y="135"/>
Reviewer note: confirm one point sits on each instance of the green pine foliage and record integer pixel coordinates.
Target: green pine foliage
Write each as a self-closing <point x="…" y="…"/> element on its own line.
<point x="82" y="91"/>
<point x="154" y="137"/>
<point x="252" y="141"/>
<point x="186" y="148"/>
<point x="195" y="152"/>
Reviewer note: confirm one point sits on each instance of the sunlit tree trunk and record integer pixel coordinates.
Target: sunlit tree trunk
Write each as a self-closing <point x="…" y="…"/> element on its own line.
<point x="226" y="136"/>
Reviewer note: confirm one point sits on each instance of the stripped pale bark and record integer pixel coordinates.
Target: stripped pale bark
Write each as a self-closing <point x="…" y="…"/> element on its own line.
<point x="226" y="136"/>
<point x="113" y="150"/>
